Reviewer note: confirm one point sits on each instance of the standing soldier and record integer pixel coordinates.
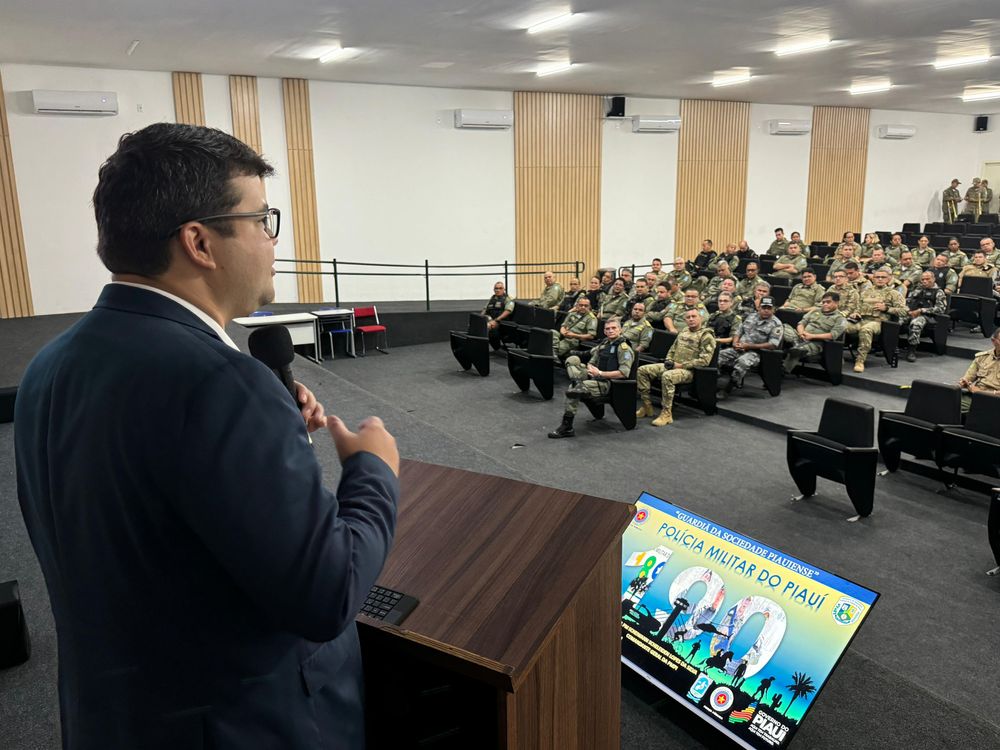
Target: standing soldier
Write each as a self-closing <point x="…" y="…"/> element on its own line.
<point x="759" y="330"/>
<point x="974" y="197"/>
<point x="551" y="295"/>
<point x="949" y="201"/>
<point x="693" y="347"/>
<point x="610" y="360"/>
<point x="878" y="303"/>
<point x="638" y="331"/>
<point x="498" y="307"/>
<point x="580" y="325"/>
<point x="824" y="324"/>
<point x="987" y="196"/>
<point x="925" y="300"/>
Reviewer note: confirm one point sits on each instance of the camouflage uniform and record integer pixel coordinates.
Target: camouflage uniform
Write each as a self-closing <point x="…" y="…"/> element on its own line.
<point x="930" y="302"/>
<point x="988" y="199"/>
<point x="850" y="299"/>
<point x="676" y="313"/>
<point x="946" y="278"/>
<point x="872" y="266"/>
<point x="803" y="297"/>
<point x="909" y="273"/>
<point x="550" y="298"/>
<point x="682" y="277"/>
<point x="985" y="271"/>
<point x="732" y="260"/>
<point x="975" y="201"/>
<point x="894" y="251"/>
<point x="613" y="305"/>
<point x="777" y="248"/>
<point x="870" y="324"/>
<point x="957" y="259"/>
<point x="984" y="374"/>
<point x="691" y="349"/>
<point x="745" y="287"/>
<point x="715" y="286"/>
<point x="838" y="265"/>
<point x="815" y="321"/>
<point x="798" y="261"/>
<point x="614" y="355"/>
<point x="950" y="196"/>
<point x="575" y="322"/>
<point x="861" y="285"/>
<point x="923" y="258"/>
<point x="656" y="310"/>
<point x="867" y="249"/>
<point x="638" y="333"/>
<point x="753" y="330"/>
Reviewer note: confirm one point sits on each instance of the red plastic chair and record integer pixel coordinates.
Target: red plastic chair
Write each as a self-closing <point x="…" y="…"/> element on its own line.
<point x="366" y="321"/>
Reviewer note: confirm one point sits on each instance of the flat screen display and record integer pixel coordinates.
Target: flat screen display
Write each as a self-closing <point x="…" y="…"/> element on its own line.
<point x="740" y="633"/>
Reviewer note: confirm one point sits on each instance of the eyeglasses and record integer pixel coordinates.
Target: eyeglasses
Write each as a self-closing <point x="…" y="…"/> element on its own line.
<point x="270" y="219"/>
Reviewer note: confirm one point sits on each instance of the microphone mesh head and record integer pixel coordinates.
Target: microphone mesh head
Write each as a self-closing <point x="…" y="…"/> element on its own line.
<point x="272" y="345"/>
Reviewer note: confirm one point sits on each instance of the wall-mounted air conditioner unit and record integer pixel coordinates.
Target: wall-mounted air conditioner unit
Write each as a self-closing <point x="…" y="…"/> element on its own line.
<point x="100" y="103"/>
<point x="789" y="127"/>
<point x="896" y="132"/>
<point x="656" y="123"/>
<point x="484" y="119"/>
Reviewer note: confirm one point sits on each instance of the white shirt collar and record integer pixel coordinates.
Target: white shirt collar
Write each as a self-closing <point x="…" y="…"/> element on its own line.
<point x="202" y="315"/>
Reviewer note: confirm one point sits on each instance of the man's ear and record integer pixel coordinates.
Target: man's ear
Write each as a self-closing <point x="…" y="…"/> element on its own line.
<point x="195" y="244"/>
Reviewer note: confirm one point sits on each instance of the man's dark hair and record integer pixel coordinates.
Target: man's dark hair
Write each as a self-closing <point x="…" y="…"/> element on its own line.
<point x="897" y="234"/>
<point x="851" y="266"/>
<point x="159" y="178"/>
<point x="709" y="242"/>
<point x="835" y="296"/>
<point x="779" y="229"/>
<point x="657" y="259"/>
<point x="953" y="239"/>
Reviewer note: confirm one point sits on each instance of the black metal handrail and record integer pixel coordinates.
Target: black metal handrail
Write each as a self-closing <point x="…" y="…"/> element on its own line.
<point x="509" y="269"/>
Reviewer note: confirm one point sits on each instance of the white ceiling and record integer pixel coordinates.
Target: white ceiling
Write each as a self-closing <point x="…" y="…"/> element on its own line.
<point x="650" y="48"/>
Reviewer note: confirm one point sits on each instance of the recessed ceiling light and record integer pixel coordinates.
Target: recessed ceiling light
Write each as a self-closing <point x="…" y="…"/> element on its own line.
<point x="437" y="65"/>
<point x="981" y="93"/>
<point x="337" y="53"/>
<point x="731" y="77"/>
<point x="551" y="23"/>
<point x="957" y="62"/>
<point x="805" y="45"/>
<point x="555" y="68"/>
<point x="870" y="87"/>
<point x="131" y="47"/>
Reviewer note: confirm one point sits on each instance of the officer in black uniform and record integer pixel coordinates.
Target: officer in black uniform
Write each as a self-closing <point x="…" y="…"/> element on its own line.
<point x="499" y="307"/>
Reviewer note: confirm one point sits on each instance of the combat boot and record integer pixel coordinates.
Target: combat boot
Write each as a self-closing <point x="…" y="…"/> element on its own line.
<point x="565" y="429"/>
<point x="646" y="410"/>
<point x="666" y="416"/>
<point x="911" y="353"/>
<point x="859" y="365"/>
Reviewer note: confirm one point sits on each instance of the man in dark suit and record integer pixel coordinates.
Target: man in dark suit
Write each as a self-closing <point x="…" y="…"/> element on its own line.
<point x="203" y="581"/>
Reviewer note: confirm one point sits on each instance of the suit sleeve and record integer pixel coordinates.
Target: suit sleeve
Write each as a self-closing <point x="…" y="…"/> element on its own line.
<point x="252" y="490"/>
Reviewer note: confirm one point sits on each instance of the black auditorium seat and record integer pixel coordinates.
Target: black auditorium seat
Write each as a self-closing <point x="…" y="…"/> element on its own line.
<point x="472" y="347"/>
<point x="929" y="407"/>
<point x="831" y="359"/>
<point x="535" y="364"/>
<point x="621" y="398"/>
<point x="887" y="341"/>
<point x="514" y="330"/>
<point x="936" y="330"/>
<point x="993" y="529"/>
<point x="974" y="448"/>
<point x="974" y="303"/>
<point x="841" y="451"/>
<point x="911" y="227"/>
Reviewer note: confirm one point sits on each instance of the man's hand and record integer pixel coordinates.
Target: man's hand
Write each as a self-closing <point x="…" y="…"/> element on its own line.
<point x="312" y="410"/>
<point x="371" y="437"/>
<point x="490" y="324"/>
<point x="914" y="313"/>
<point x="593" y="371"/>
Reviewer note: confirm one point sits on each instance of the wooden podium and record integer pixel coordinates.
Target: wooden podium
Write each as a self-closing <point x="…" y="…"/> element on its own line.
<point x="516" y="642"/>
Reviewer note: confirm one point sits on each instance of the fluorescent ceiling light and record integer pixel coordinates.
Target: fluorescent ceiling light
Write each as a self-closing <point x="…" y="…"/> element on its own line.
<point x="807" y="45"/>
<point x="337" y="53"/>
<point x="730" y="77"/>
<point x="552" y="23"/>
<point x="870" y="87"/>
<point x="131" y="47"/>
<point x="958" y="62"/>
<point x="981" y="93"/>
<point x="556" y="68"/>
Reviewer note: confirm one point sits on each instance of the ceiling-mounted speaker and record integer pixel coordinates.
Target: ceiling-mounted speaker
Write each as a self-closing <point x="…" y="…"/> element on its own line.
<point x="982" y="124"/>
<point x="614" y="106"/>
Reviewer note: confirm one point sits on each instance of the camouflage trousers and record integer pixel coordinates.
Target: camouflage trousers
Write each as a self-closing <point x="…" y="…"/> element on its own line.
<point x="560" y="346"/>
<point x="669" y="380"/>
<point x="867" y="330"/>
<point x="582" y="386"/>
<point x="917" y="326"/>
<point x="799" y="352"/>
<point x="740" y="362"/>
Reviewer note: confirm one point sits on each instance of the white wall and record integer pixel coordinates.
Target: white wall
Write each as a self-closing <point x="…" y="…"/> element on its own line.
<point x="638" y="187"/>
<point x="56" y="159"/>
<point x="777" y="176"/>
<point x="397" y="183"/>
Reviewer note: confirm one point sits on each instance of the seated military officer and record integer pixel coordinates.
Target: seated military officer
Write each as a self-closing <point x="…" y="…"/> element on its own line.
<point x="744" y="287"/>
<point x="728" y="286"/>
<point x="681" y="275"/>
<point x="609" y="360"/>
<point x="580" y="325"/>
<point x="849" y="297"/>
<point x="659" y="306"/>
<point x="925" y="300"/>
<point x="607" y="280"/>
<point x="855" y="278"/>
<point x="725" y="321"/>
<point x="988" y="246"/>
<point x="797" y="238"/>
<point x="870" y="244"/>
<point x="923" y="253"/>
<point x="896" y="248"/>
<point x="569" y="298"/>
<point x="626" y="276"/>
<point x="841" y="258"/>
<point x="983" y="375"/>
<point x="791" y="264"/>
<point x="944" y="275"/>
<point x="877" y="261"/>
<point x="641" y="294"/>
<point x="978" y="267"/>
<point x="651" y="281"/>
<point x="806" y="295"/>
<point x="692" y="348"/>
<point x="499" y="307"/>
<point x="673" y="321"/>
<point x="723" y="272"/>
<point x="825" y="324"/>
<point x="657" y="265"/>
<point x="729" y="255"/>
<point x="780" y="245"/>
<point x="594" y="292"/>
<point x="745" y="251"/>
<point x="956" y="258"/>
<point x="637" y="330"/>
<point x="907" y="273"/>
<point x="848" y="239"/>
<point x="751" y="304"/>
<point x="878" y="304"/>
<point x="551" y="295"/>
<point x="702" y="260"/>
<point x="613" y="303"/>
<point x="758" y="331"/>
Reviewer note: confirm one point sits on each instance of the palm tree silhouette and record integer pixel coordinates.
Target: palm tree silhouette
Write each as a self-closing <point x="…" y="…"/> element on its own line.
<point x="801" y="686"/>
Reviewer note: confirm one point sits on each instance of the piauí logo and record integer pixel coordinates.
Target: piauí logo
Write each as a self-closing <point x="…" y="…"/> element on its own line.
<point x="847" y="611"/>
<point x="641" y="515"/>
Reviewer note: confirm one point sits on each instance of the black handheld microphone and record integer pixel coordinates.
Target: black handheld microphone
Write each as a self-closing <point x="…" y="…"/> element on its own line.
<point x="272" y="345"/>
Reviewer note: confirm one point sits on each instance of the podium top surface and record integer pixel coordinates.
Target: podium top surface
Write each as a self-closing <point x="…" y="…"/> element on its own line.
<point x="494" y="562"/>
<point x="272" y="320"/>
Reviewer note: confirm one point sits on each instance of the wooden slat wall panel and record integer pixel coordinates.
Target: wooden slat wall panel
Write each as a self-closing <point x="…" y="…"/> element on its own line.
<point x="838" y="161"/>
<point x="189" y="100"/>
<point x="557" y="182"/>
<point x="711" y="174"/>
<point x="246" y="110"/>
<point x="15" y="288"/>
<point x="302" y="184"/>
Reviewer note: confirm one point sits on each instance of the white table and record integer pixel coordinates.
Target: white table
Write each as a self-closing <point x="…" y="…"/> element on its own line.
<point x="301" y="326"/>
<point x="330" y="315"/>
